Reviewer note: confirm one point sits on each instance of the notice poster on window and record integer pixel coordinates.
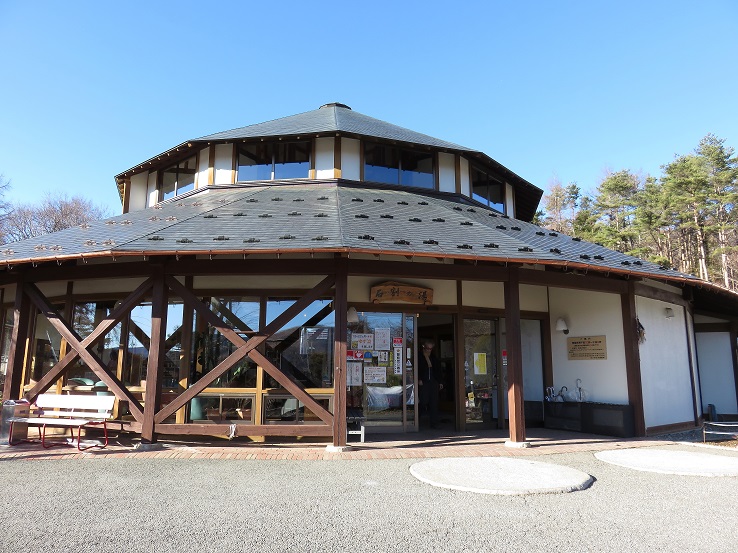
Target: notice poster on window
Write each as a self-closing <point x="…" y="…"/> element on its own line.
<point x="382" y="338"/>
<point x="362" y="341"/>
<point x="375" y="375"/>
<point x="480" y="363"/>
<point x="354" y="373"/>
<point x="383" y="358"/>
<point x="397" y="358"/>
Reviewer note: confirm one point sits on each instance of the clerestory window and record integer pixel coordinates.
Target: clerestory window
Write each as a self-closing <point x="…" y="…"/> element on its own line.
<point x="487" y="190"/>
<point x="401" y="166"/>
<point x="177" y="179"/>
<point x="274" y="160"/>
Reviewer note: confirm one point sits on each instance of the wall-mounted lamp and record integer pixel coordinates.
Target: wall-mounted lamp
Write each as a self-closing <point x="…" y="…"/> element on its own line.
<point x="669" y="313"/>
<point x="352" y="316"/>
<point x="561" y="325"/>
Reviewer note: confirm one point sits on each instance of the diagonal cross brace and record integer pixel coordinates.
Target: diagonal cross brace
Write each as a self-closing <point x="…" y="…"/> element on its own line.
<point x="75" y="342"/>
<point x="244" y="347"/>
<point x="113" y="318"/>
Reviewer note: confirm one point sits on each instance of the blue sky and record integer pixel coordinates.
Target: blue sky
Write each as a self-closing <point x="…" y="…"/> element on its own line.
<point x="548" y="88"/>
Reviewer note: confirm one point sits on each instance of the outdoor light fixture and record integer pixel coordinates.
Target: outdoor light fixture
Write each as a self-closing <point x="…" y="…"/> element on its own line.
<point x="669" y="313"/>
<point x="561" y="325"/>
<point x="352" y="316"/>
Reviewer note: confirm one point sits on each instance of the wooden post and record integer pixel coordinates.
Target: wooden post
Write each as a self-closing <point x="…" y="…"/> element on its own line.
<point x="514" y="344"/>
<point x="340" y="306"/>
<point x="185" y="360"/>
<point x="155" y="369"/>
<point x="460" y="354"/>
<point x="18" y="340"/>
<point x="632" y="358"/>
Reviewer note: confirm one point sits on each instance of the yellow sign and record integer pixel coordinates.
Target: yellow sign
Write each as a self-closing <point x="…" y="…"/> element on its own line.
<point x="585" y="348"/>
<point x="480" y="363"/>
<point x="399" y="292"/>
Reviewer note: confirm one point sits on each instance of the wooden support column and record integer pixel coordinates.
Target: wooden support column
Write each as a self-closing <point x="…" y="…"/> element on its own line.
<point x="185" y="358"/>
<point x="632" y="358"/>
<point x="18" y="340"/>
<point x="515" y="398"/>
<point x="155" y="369"/>
<point x="339" y="353"/>
<point x="460" y="355"/>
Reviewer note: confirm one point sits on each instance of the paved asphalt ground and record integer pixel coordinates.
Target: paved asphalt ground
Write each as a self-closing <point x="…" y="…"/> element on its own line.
<point x="132" y="505"/>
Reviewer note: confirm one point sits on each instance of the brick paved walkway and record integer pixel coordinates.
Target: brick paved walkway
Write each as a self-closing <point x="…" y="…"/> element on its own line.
<point x="381" y="446"/>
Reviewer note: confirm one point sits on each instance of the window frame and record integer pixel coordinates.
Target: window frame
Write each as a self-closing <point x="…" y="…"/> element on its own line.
<point x="273" y="146"/>
<point x="160" y="177"/>
<point x="398" y="152"/>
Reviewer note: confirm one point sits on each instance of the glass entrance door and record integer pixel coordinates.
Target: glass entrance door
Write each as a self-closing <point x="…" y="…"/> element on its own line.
<point x="381" y="372"/>
<point x="485" y="399"/>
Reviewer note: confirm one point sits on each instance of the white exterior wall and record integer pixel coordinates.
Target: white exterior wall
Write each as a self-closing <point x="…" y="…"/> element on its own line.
<point x="509" y="200"/>
<point x="350" y="159"/>
<point x="152" y="193"/>
<point x="695" y="364"/>
<point x="446" y="172"/>
<point x="139" y="192"/>
<point x="324" y="158"/>
<point x="533" y="298"/>
<point x="665" y="370"/>
<point x="589" y="314"/>
<point x="465" y="185"/>
<point x="223" y="164"/>
<point x="483" y="294"/>
<point x="717" y="379"/>
<point x="201" y="179"/>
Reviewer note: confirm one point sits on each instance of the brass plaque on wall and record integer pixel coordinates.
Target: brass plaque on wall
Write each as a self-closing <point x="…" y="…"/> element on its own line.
<point x="583" y="348"/>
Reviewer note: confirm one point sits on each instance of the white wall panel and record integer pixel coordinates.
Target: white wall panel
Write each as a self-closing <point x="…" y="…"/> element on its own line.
<point x="446" y="172"/>
<point x="716" y="371"/>
<point x="202" y="168"/>
<point x="530" y="334"/>
<point x="465" y="186"/>
<point x="223" y="163"/>
<point x="665" y="371"/>
<point x="151" y="192"/>
<point x="509" y="200"/>
<point x="139" y="191"/>
<point x="589" y="314"/>
<point x="533" y="298"/>
<point x="324" y="158"/>
<point x="350" y="159"/>
<point x="483" y="294"/>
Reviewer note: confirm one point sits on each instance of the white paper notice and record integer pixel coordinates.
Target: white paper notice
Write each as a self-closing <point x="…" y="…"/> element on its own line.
<point x="382" y="339"/>
<point x="397" y="358"/>
<point x="362" y="341"/>
<point x="375" y="375"/>
<point x="353" y="373"/>
<point x="480" y="363"/>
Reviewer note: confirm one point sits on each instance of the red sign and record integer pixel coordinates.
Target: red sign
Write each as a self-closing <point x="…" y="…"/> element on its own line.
<point x="397" y="342"/>
<point x="354" y="354"/>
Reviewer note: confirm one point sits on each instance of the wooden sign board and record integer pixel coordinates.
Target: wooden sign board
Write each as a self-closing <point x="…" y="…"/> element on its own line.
<point x="399" y="292"/>
<point x="586" y="348"/>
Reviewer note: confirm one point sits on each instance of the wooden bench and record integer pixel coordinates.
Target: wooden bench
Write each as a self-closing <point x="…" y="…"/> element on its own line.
<point x="67" y="411"/>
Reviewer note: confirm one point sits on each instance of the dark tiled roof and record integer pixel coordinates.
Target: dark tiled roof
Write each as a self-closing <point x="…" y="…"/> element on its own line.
<point x="326" y="216"/>
<point x="332" y="119"/>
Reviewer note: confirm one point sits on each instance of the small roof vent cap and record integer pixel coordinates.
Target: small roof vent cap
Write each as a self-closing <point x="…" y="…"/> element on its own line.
<point x="335" y="105"/>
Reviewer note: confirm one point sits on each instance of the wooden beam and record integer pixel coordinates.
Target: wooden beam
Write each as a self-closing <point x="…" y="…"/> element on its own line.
<point x="573" y="280"/>
<point x="457" y="172"/>
<point x="632" y="358"/>
<point x="337" y="157"/>
<point x="92" y="360"/>
<point x="185" y="360"/>
<point x="293" y="386"/>
<point x="340" y="333"/>
<point x="211" y="164"/>
<point x="157" y="357"/>
<point x="113" y="318"/>
<point x="398" y="269"/>
<point x="642" y="289"/>
<point x="126" y="194"/>
<point x="17" y="350"/>
<point x="515" y="399"/>
<point x="690" y="357"/>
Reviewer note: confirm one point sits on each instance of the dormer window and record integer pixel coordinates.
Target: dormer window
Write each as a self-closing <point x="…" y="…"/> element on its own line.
<point x="402" y="166"/>
<point x="177" y="179"/>
<point x="274" y="160"/>
<point x="487" y="190"/>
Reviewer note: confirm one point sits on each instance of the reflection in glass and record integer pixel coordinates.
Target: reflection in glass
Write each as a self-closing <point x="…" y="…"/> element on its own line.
<point x="381" y="163"/>
<point x="45" y="348"/>
<point x="292" y="160"/>
<point x="178" y="178"/>
<point x="480" y="370"/>
<point x="417" y="169"/>
<point x="487" y="190"/>
<point x="282" y="160"/>
<point x="255" y="162"/>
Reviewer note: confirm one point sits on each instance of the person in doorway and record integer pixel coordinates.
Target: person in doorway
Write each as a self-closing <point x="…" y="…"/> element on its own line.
<point x="429" y="381"/>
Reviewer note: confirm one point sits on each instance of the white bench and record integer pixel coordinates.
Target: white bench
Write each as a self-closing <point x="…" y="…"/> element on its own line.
<point x="355" y="417"/>
<point x="67" y="411"/>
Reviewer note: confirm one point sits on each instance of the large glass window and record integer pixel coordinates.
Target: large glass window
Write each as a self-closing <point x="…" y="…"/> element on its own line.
<point x="398" y="166"/>
<point x="487" y="190"/>
<point x="178" y="179"/>
<point x="274" y="160"/>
